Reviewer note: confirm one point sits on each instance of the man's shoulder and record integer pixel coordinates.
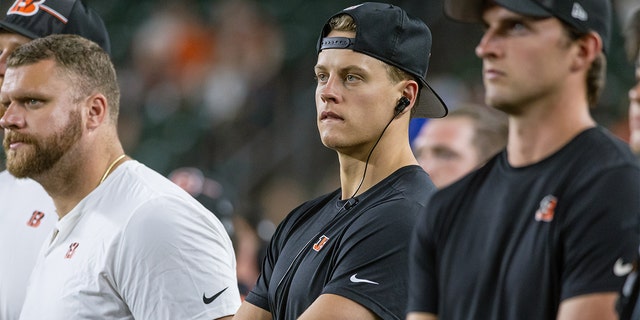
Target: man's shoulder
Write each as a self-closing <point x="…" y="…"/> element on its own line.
<point x="608" y="149"/>
<point x="408" y="184"/>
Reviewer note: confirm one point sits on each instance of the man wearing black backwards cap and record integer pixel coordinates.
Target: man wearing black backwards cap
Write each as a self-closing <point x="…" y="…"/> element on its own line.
<point x="343" y="255"/>
<point x="547" y="229"/>
<point x="27" y="214"/>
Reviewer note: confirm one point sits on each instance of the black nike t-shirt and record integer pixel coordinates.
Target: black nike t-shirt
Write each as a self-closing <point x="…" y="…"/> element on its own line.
<point x="513" y="243"/>
<point x="358" y="251"/>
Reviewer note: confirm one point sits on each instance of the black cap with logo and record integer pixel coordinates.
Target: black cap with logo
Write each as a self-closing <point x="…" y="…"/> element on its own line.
<point x="387" y="33"/>
<point x="584" y="15"/>
<point x="37" y="19"/>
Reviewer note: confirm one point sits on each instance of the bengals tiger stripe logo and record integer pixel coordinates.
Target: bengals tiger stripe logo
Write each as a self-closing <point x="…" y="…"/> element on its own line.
<point x="72" y="250"/>
<point x="31" y="7"/>
<point x="36" y="218"/>
<point x="547" y="209"/>
<point x="320" y="243"/>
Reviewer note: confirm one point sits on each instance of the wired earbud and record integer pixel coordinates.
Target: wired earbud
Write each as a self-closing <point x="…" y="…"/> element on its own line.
<point x="403" y="103"/>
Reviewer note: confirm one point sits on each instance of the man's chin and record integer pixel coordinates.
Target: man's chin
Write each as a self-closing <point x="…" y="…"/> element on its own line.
<point x="19" y="168"/>
<point x="20" y="174"/>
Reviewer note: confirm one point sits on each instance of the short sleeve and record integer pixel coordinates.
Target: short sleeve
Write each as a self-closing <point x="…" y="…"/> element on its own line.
<point x="175" y="261"/>
<point x="371" y="268"/>
<point x="600" y="233"/>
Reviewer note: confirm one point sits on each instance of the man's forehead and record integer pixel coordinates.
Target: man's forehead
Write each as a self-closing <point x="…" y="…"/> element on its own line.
<point x="30" y="75"/>
<point x="347" y="59"/>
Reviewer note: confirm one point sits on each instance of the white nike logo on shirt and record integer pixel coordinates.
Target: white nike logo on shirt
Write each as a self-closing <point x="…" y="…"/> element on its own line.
<point x="354" y="279"/>
<point x="622" y="269"/>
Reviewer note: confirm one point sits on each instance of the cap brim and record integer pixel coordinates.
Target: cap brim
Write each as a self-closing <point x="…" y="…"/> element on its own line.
<point x="471" y="10"/>
<point x="430" y="105"/>
<point x="8" y="26"/>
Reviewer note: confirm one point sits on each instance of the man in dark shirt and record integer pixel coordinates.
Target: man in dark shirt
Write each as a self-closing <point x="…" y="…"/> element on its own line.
<point x="343" y="255"/>
<point x="547" y="229"/>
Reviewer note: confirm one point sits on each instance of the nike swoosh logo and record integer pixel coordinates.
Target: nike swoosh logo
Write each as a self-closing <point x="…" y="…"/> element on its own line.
<point x="213" y="297"/>
<point x="355" y="279"/>
<point x="621" y="269"/>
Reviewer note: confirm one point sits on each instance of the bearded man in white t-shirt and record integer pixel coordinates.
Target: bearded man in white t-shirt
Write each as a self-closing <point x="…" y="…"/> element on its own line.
<point x="27" y="214"/>
<point x="129" y="244"/>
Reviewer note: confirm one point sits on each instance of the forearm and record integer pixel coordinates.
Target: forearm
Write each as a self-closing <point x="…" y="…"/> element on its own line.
<point x="421" y="316"/>
<point x="248" y="311"/>
<point x="596" y="306"/>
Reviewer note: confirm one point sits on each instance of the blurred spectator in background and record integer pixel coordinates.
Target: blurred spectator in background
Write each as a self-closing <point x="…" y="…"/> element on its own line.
<point x="206" y="94"/>
<point x="450" y="147"/>
<point x="633" y="52"/>
<point x="628" y="304"/>
<point x="171" y="53"/>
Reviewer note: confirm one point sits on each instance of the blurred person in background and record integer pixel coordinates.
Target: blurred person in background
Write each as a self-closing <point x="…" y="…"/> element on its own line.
<point x="27" y="213"/>
<point x="343" y="255"/>
<point x="629" y="301"/>
<point x="455" y="145"/>
<point x="633" y="52"/>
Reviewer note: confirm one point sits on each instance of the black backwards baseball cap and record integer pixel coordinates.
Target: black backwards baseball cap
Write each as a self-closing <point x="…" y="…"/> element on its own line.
<point x="584" y="15"/>
<point x="387" y="33"/>
<point x="38" y="19"/>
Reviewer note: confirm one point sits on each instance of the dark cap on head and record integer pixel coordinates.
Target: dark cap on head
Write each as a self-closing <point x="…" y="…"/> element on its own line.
<point x="387" y="33"/>
<point x="584" y="15"/>
<point x="38" y="19"/>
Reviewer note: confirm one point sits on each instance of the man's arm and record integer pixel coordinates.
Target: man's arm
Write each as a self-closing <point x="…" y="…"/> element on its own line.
<point x="597" y="306"/>
<point x="248" y="311"/>
<point x="335" y="307"/>
<point x="421" y="316"/>
<point x="327" y="306"/>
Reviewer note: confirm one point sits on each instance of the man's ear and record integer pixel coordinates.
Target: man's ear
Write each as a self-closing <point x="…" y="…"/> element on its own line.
<point x="589" y="47"/>
<point x="97" y="110"/>
<point x="410" y="91"/>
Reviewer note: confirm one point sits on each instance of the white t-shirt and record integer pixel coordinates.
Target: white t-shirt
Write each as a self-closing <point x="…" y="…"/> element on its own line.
<point x="27" y="218"/>
<point x="137" y="247"/>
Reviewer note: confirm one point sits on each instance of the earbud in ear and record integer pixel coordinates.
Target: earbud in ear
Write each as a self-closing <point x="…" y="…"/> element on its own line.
<point x="403" y="103"/>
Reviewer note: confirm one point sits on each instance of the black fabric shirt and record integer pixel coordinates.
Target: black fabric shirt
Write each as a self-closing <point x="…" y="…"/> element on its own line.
<point x="512" y="243"/>
<point x="358" y="251"/>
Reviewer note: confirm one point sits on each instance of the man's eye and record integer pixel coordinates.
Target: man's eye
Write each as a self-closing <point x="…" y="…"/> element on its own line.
<point x="351" y="77"/>
<point x="320" y="77"/>
<point x="32" y="103"/>
<point x="518" y="26"/>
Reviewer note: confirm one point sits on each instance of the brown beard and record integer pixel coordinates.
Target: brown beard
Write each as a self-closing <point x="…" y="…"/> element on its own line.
<point x="41" y="154"/>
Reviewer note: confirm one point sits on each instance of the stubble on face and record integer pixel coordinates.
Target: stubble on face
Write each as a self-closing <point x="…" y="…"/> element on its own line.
<point x="40" y="155"/>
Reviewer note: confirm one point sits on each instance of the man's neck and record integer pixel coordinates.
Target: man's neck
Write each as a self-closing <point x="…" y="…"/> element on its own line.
<point x="534" y="137"/>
